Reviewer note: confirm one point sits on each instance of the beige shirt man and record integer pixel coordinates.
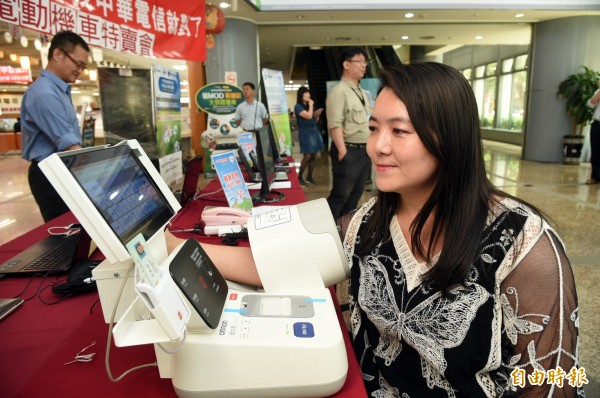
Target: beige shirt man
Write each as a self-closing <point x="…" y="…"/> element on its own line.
<point x="348" y="108"/>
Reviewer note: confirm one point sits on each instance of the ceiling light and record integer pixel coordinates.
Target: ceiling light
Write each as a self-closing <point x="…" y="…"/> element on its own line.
<point x="93" y="75"/>
<point x="7" y="37"/>
<point x="519" y="15"/>
<point x="409" y="15"/>
<point x="1" y="54"/>
<point x="404" y="37"/>
<point x="224" y="4"/>
<point x="24" y="42"/>
<point x="37" y="43"/>
<point x="25" y="64"/>
<point x="478" y="37"/>
<point x="14" y="57"/>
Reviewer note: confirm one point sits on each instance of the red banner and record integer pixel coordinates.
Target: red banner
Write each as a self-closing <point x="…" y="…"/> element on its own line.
<point x="8" y="74"/>
<point x="151" y="28"/>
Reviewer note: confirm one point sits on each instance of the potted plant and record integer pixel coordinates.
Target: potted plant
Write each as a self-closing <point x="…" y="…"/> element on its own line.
<point x="577" y="89"/>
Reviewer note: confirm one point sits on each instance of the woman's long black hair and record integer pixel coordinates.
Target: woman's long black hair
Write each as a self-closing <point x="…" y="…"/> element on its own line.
<point x="443" y="111"/>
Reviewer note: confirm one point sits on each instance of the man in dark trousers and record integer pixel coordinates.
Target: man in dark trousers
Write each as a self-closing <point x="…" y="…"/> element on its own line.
<point x="48" y="120"/>
<point x="348" y="110"/>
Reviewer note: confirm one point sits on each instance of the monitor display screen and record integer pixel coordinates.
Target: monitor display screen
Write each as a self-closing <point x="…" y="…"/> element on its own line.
<point x="266" y="164"/>
<point x="121" y="190"/>
<point x="274" y="145"/>
<point x="127" y="108"/>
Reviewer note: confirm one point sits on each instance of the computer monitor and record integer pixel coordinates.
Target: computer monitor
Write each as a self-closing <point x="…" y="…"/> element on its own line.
<point x="246" y="164"/>
<point x="190" y="181"/>
<point x="116" y="193"/>
<point x="266" y="167"/>
<point x="275" y="145"/>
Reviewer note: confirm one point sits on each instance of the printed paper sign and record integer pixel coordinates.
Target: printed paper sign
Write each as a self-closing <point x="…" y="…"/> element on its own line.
<point x="232" y="180"/>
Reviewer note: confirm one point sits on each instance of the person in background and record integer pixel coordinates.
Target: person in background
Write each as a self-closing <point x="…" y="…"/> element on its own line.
<point x="348" y="110"/>
<point x="17" y="126"/>
<point x="457" y="289"/>
<point x="48" y="120"/>
<point x="594" y="102"/>
<point x="309" y="135"/>
<point x="249" y="117"/>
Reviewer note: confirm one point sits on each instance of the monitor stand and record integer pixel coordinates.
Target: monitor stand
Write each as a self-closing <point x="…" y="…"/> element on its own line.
<point x="271" y="197"/>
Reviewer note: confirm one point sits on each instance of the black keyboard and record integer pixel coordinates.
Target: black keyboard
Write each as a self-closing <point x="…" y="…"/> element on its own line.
<point x="58" y="258"/>
<point x="55" y="253"/>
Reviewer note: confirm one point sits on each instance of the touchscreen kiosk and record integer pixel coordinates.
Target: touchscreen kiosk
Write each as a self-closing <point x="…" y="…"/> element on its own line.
<point x="116" y="193"/>
<point x="266" y="167"/>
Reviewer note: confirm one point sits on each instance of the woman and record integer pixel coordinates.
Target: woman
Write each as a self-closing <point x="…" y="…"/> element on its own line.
<point x="594" y="102"/>
<point x="308" y="133"/>
<point x="457" y="289"/>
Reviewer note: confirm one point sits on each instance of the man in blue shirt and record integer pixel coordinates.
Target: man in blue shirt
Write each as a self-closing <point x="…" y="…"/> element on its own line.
<point x="48" y="119"/>
<point x="249" y="117"/>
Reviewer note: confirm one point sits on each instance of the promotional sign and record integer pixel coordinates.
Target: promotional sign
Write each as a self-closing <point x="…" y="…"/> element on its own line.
<point x="151" y="28"/>
<point x="10" y="103"/>
<point x="87" y="132"/>
<point x="277" y="101"/>
<point x="247" y="144"/>
<point x="219" y="101"/>
<point x="8" y="74"/>
<point x="232" y="180"/>
<point x="167" y="111"/>
<point x="219" y="98"/>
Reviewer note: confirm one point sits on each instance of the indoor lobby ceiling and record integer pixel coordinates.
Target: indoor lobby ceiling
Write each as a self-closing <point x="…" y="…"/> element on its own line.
<point x="282" y="32"/>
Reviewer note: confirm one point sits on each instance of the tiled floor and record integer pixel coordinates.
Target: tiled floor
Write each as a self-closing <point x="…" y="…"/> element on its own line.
<point x="557" y="189"/>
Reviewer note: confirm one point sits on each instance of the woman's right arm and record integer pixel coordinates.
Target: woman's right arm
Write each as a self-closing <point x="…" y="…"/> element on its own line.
<point x="307" y="114"/>
<point x="235" y="263"/>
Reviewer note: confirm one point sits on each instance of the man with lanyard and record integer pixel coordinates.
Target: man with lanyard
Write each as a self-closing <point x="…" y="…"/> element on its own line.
<point x="48" y="120"/>
<point x="348" y="109"/>
<point x="251" y="114"/>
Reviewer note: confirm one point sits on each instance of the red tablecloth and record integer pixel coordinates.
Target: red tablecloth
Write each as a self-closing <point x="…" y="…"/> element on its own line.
<point x="38" y="339"/>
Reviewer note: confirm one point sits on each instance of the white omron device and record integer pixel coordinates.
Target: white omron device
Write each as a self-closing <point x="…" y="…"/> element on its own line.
<point x="285" y="341"/>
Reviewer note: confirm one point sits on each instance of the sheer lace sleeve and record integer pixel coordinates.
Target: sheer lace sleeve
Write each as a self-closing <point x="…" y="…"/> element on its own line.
<point x="540" y="322"/>
<point x="342" y="225"/>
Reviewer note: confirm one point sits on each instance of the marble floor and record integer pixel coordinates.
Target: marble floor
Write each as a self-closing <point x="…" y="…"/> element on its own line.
<point x="557" y="189"/>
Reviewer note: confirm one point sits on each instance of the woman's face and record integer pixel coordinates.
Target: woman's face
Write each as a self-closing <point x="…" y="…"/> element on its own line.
<point x="402" y="163"/>
<point x="306" y="96"/>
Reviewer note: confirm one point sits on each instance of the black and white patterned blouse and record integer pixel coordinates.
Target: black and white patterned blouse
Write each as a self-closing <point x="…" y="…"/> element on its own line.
<point x="517" y="309"/>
